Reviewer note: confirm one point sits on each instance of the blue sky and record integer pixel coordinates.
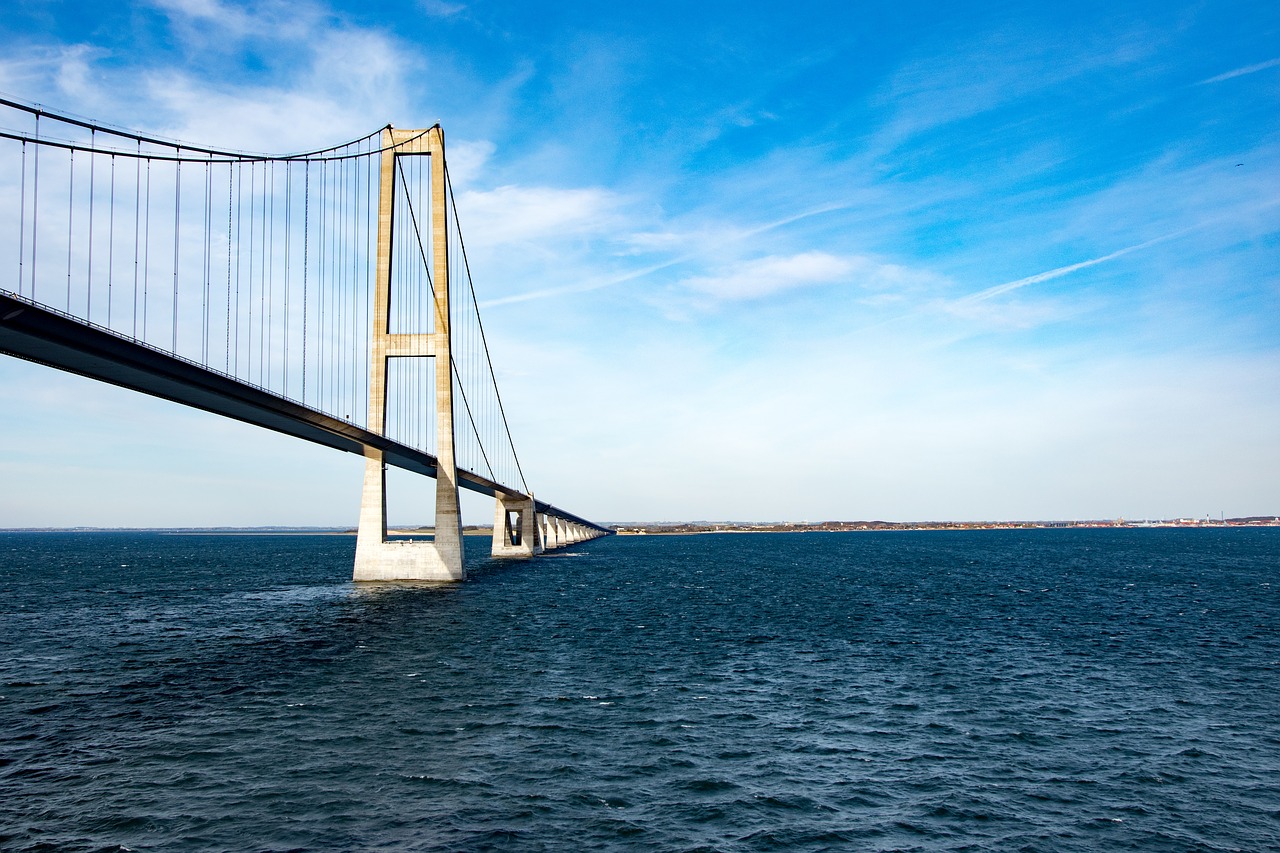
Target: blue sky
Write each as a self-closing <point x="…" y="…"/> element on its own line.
<point x="746" y="261"/>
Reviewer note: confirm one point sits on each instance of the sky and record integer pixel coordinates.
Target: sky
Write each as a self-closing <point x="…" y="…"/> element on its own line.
<point x="744" y="261"/>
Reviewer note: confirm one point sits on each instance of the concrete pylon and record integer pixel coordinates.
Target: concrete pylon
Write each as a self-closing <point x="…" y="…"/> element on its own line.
<point x="518" y="538"/>
<point x="376" y="558"/>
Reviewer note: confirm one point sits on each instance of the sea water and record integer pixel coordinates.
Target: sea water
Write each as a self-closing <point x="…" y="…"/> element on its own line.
<point x="1048" y="690"/>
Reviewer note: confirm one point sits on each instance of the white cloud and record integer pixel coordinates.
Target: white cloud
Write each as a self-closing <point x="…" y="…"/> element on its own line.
<point x="41" y="72"/>
<point x="770" y="275"/>
<point x="467" y="160"/>
<point x="707" y="240"/>
<point x="262" y="120"/>
<point x="775" y="274"/>
<point x="338" y="83"/>
<point x="512" y="214"/>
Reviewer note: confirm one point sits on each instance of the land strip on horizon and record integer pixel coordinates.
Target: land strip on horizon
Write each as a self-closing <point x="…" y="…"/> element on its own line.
<point x="673" y="528"/>
<point x="670" y="528"/>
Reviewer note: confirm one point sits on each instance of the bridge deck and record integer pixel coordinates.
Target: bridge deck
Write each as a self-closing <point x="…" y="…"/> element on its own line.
<point x="36" y="333"/>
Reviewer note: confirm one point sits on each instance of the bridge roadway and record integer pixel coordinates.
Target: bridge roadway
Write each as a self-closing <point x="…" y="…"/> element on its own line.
<point x="38" y="334"/>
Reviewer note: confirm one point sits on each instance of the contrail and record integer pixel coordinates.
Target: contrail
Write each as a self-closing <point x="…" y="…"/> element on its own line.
<point x="1067" y="270"/>
<point x="1240" y="72"/>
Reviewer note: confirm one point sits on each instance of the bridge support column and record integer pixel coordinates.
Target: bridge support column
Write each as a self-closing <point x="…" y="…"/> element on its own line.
<point x="540" y="543"/>
<point x="518" y="539"/>
<point x="378" y="559"/>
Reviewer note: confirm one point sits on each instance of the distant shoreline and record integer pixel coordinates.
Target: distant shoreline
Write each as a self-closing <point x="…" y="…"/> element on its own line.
<point x="686" y="528"/>
<point x="704" y="527"/>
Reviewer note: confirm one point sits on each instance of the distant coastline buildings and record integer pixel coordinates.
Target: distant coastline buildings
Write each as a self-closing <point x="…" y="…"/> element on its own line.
<point x="671" y="528"/>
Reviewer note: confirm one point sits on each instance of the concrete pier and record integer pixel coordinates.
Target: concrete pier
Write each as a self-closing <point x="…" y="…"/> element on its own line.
<point x="515" y="527"/>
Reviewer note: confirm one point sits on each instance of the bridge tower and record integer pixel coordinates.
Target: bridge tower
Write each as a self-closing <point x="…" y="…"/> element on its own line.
<point x="378" y="559"/>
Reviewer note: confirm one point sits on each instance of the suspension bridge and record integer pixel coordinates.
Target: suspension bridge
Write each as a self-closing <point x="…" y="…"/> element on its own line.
<point x="325" y="295"/>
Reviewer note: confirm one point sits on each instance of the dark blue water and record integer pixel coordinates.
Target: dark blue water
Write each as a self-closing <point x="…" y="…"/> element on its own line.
<point x="988" y="690"/>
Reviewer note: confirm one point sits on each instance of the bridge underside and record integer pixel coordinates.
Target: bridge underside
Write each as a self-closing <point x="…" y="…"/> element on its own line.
<point x="35" y="333"/>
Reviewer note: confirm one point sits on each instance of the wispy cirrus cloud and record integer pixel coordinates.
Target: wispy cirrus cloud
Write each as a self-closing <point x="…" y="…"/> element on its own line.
<point x="441" y="9"/>
<point x="927" y="94"/>
<point x="212" y="21"/>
